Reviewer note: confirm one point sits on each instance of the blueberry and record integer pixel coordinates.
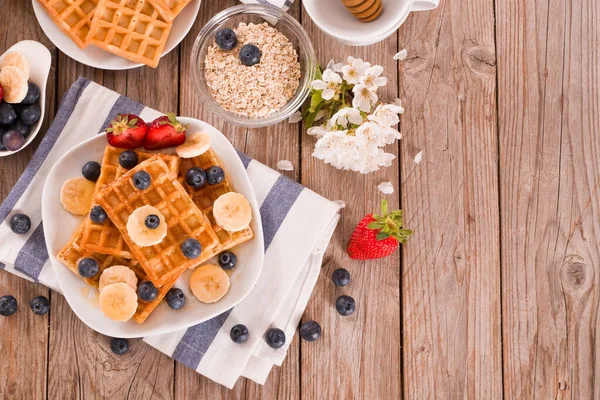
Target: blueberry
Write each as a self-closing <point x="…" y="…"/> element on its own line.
<point x="119" y="346"/>
<point x="20" y="223"/>
<point x="30" y="114"/>
<point x="250" y="55"/>
<point x="88" y="267"/>
<point x="191" y="248"/>
<point x="195" y="177"/>
<point x="275" y="338"/>
<point x="8" y="116"/>
<point x="33" y="94"/>
<point x="21" y="127"/>
<point x="141" y="180"/>
<point x="175" y="298"/>
<point x="227" y="260"/>
<point x="91" y="171"/>
<point x="98" y="215"/>
<point x="128" y="159"/>
<point x="215" y="175"/>
<point x="340" y="277"/>
<point x="13" y="140"/>
<point x="147" y="291"/>
<point x="345" y="305"/>
<point x="40" y="305"/>
<point x="152" y="221"/>
<point x="226" y="39"/>
<point x="310" y="331"/>
<point x="8" y="305"/>
<point x="239" y="333"/>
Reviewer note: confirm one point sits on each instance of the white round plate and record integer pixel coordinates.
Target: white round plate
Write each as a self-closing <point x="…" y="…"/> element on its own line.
<point x="59" y="225"/>
<point x="40" y="61"/>
<point x="98" y="58"/>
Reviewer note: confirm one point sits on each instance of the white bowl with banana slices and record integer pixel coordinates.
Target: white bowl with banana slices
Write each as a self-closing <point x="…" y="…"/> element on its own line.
<point x="26" y="61"/>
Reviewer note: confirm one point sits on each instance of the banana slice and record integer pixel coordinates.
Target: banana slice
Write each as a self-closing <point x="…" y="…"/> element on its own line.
<point x="118" y="274"/>
<point x="195" y="144"/>
<point x="118" y="301"/>
<point x="16" y="59"/>
<point x="14" y="84"/>
<point x="209" y="283"/>
<point x="232" y="212"/>
<point x="76" y="195"/>
<point x="140" y="232"/>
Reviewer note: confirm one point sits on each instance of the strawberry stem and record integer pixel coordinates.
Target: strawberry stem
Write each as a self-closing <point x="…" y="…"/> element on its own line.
<point x="389" y="224"/>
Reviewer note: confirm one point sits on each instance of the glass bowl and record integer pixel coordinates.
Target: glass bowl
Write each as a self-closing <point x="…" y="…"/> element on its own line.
<point x="252" y="13"/>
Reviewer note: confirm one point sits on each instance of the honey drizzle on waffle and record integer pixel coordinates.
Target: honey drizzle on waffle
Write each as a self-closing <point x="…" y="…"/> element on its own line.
<point x="73" y="17"/>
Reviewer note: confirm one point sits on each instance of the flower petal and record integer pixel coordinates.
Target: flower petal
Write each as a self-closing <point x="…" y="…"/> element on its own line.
<point x="318" y="84"/>
<point x="401" y="55"/>
<point x="386" y="187"/>
<point x="295" y="118"/>
<point x="285" y="165"/>
<point x="328" y="94"/>
<point x="419" y="157"/>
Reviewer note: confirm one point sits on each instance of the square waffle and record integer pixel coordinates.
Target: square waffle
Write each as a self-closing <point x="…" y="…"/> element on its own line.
<point x="164" y="261"/>
<point x="172" y="8"/>
<point x="134" y="29"/>
<point x="73" y="17"/>
<point x="105" y="238"/>
<point x="205" y="197"/>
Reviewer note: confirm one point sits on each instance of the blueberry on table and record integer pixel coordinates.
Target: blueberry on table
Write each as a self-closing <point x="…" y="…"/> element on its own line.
<point x="227" y="260"/>
<point x="275" y="338"/>
<point x="13" y="140"/>
<point x="195" y="177"/>
<point x="147" y="291"/>
<point x="30" y="114"/>
<point x="91" y="171"/>
<point x="88" y="267"/>
<point x="226" y="39"/>
<point x="310" y="331"/>
<point x="98" y="215"/>
<point x="250" y="55"/>
<point x="152" y="221"/>
<point x="128" y="159"/>
<point x="191" y="248"/>
<point x="21" y="127"/>
<point x="239" y="333"/>
<point x="215" y="175"/>
<point x="119" y="346"/>
<point x="8" y="116"/>
<point x="33" y="94"/>
<point x="8" y="305"/>
<point x="40" y="305"/>
<point x="345" y="305"/>
<point x="141" y="180"/>
<point x="340" y="277"/>
<point x="20" y="224"/>
<point x="175" y="298"/>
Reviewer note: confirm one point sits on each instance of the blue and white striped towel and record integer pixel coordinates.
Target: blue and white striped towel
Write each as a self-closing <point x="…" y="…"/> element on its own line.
<point x="297" y="223"/>
<point x="284" y="4"/>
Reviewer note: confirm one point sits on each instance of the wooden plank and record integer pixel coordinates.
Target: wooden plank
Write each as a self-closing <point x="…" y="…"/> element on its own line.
<point x="451" y="268"/>
<point x="358" y="356"/>
<point x="549" y="86"/>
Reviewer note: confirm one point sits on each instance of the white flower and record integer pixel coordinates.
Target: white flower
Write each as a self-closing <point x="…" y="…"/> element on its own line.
<point x="386" y="187"/>
<point x="329" y="84"/>
<point x="285" y="165"/>
<point x="372" y="79"/>
<point x="317" y="131"/>
<point x="386" y="115"/>
<point x="320" y="115"/>
<point x="377" y="134"/>
<point x="401" y="55"/>
<point x="345" y="115"/>
<point x="295" y="118"/>
<point x="419" y="157"/>
<point x="363" y="98"/>
<point x="341" y="203"/>
<point x="354" y="70"/>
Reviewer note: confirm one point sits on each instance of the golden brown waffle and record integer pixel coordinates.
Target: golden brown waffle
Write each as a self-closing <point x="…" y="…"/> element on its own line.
<point x="134" y="29"/>
<point x="205" y="197"/>
<point x="105" y="238"/>
<point x="163" y="262"/>
<point x="73" y="17"/>
<point x="172" y="8"/>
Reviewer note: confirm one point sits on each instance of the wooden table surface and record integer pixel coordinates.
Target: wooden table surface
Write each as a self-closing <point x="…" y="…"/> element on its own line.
<point x="498" y="292"/>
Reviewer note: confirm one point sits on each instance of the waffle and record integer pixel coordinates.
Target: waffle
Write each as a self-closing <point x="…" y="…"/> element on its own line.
<point x="134" y="29"/>
<point x="164" y="261"/>
<point x="105" y="238"/>
<point x="205" y="197"/>
<point x="172" y="8"/>
<point x="73" y="17"/>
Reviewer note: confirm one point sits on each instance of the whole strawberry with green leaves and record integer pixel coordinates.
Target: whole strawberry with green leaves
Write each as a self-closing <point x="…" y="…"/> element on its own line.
<point x="378" y="235"/>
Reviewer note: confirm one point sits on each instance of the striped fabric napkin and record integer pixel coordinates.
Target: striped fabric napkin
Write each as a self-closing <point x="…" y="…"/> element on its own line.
<point x="284" y="4"/>
<point x="297" y="224"/>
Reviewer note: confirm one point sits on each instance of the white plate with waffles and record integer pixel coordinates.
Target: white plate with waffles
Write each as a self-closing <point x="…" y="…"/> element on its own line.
<point x="98" y="58"/>
<point x="59" y="226"/>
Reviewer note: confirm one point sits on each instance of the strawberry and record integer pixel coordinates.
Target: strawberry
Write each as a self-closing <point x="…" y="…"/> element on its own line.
<point x="165" y="132"/>
<point x="377" y="236"/>
<point x="127" y="131"/>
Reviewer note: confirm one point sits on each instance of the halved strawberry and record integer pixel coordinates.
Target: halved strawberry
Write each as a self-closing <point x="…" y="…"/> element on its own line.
<point x="127" y="131"/>
<point x="165" y="132"/>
